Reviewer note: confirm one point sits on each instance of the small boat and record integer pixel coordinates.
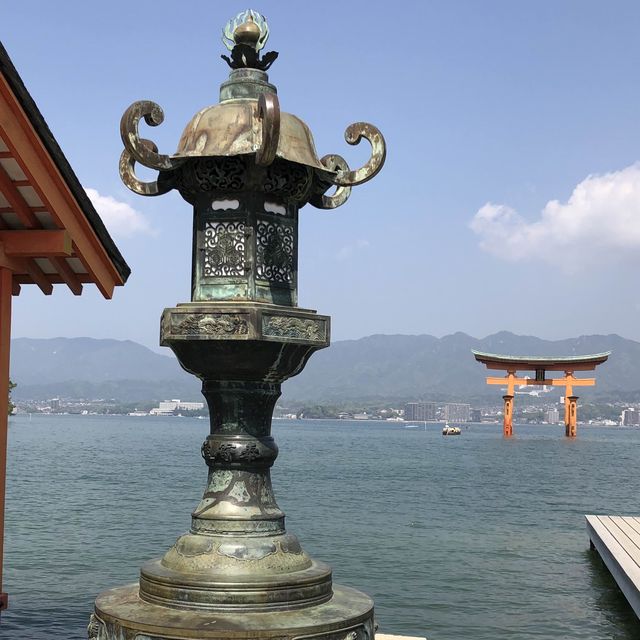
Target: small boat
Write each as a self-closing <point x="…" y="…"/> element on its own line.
<point x="450" y="431"/>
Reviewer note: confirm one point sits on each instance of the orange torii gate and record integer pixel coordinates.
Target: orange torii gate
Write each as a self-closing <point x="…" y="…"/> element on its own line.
<point x="541" y="364"/>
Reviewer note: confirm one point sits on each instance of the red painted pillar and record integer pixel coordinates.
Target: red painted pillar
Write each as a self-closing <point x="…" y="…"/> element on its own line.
<point x="5" y="345"/>
<point x="571" y="427"/>
<point x="507" y="425"/>
<point x="568" y="392"/>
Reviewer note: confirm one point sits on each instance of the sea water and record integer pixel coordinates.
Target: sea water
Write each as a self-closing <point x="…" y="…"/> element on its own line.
<point x="472" y="536"/>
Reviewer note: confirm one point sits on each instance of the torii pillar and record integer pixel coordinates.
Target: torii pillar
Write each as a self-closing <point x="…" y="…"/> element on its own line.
<point x="571" y="419"/>
<point x="507" y="422"/>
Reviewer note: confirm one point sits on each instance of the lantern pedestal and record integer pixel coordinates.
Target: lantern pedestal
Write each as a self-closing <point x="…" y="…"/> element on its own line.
<point x="122" y="615"/>
<point x="237" y="573"/>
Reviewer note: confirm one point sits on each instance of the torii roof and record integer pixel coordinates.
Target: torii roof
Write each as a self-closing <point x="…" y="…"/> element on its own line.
<point x="49" y="230"/>
<point x="549" y="363"/>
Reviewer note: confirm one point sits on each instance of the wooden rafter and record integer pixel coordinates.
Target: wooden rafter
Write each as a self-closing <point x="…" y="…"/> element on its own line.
<point x="31" y="222"/>
<point x="38" y="276"/>
<point x="67" y="274"/>
<point x="54" y="191"/>
<point x="18" y="204"/>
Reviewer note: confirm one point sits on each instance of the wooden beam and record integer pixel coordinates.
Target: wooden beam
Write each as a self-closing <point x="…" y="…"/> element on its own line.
<point x="36" y="243"/>
<point x="17" y="202"/>
<point x="5" y="345"/>
<point x="549" y="382"/>
<point x="34" y="209"/>
<point x="52" y="278"/>
<point x="26" y="271"/>
<point x="576" y="382"/>
<point x="14" y="265"/>
<point x="67" y="274"/>
<point x="547" y="366"/>
<point x="38" y="276"/>
<point x="505" y="381"/>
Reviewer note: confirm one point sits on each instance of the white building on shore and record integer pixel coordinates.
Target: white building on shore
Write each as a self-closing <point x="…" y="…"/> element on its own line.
<point x="552" y="416"/>
<point x="169" y="407"/>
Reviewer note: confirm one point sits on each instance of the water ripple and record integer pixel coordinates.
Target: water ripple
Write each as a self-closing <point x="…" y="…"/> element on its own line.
<point x="453" y="537"/>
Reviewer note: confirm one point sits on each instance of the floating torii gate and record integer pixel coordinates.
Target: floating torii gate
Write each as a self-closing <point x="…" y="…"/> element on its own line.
<point x="542" y="364"/>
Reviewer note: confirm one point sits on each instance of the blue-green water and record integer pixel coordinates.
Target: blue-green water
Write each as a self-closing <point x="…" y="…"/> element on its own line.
<point x="460" y="537"/>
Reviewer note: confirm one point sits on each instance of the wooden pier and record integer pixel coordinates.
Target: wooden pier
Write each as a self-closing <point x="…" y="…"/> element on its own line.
<point x="617" y="540"/>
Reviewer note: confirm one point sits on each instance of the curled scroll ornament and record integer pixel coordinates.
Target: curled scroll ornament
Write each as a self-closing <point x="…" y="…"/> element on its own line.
<point x="354" y="133"/>
<point x="335" y="163"/>
<point x="269" y="114"/>
<point x="137" y="149"/>
<point x="131" y="181"/>
<point x="141" y="152"/>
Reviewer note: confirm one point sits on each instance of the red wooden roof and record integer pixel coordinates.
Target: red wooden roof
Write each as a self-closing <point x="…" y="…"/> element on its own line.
<point x="49" y="231"/>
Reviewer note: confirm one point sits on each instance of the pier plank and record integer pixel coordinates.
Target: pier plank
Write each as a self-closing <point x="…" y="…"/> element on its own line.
<point x="617" y="541"/>
<point x="625" y="524"/>
<point x="634" y="522"/>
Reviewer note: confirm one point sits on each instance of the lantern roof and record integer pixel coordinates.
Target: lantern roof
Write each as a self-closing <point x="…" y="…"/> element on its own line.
<point x="247" y="122"/>
<point x="233" y="128"/>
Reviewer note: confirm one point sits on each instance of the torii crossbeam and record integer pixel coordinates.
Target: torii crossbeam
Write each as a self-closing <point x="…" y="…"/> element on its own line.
<point x="542" y="364"/>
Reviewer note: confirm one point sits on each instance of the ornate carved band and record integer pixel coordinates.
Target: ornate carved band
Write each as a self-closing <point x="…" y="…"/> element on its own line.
<point x="281" y="179"/>
<point x="211" y="175"/>
<point x="208" y="324"/>
<point x="225" y="451"/>
<point x="298" y="328"/>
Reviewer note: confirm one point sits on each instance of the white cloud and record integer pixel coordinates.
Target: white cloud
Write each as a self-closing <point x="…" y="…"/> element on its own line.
<point x="601" y="217"/>
<point x="120" y="218"/>
<point x="346" y="252"/>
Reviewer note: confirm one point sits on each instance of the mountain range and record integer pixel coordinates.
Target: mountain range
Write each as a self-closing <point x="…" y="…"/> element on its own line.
<point x="89" y="368"/>
<point x="383" y="368"/>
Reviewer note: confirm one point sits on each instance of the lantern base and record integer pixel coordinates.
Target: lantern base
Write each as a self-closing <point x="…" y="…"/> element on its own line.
<point x="120" y="614"/>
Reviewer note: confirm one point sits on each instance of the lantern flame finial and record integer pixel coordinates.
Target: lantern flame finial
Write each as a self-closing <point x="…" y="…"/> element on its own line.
<point x="245" y="36"/>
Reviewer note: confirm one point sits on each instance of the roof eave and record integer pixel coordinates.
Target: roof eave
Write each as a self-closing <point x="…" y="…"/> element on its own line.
<point x="58" y="158"/>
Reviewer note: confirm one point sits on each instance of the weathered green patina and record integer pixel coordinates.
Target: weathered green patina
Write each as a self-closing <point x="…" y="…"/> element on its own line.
<point x="247" y="169"/>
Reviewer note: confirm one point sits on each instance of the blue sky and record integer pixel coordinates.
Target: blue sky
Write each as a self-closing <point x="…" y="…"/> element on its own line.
<point x="510" y="198"/>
